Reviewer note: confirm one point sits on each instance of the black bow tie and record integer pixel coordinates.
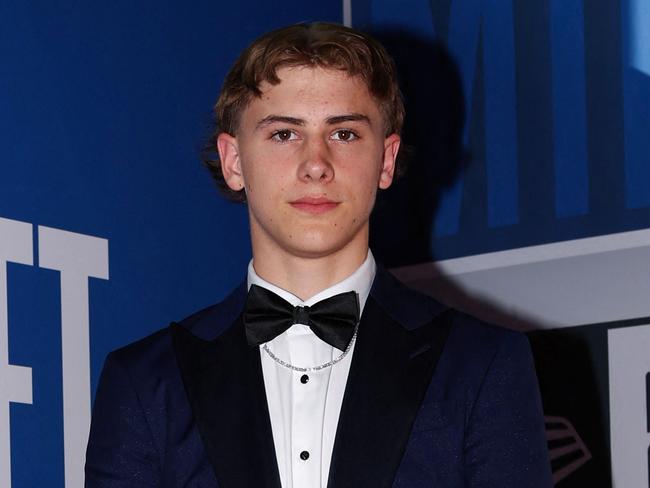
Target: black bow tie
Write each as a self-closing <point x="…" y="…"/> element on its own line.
<point x="333" y="320"/>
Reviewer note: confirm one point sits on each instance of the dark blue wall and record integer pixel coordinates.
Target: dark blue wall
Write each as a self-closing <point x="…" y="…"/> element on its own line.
<point x="530" y="119"/>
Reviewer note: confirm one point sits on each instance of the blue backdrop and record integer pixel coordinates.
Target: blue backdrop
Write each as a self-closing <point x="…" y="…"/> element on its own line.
<point x="104" y="107"/>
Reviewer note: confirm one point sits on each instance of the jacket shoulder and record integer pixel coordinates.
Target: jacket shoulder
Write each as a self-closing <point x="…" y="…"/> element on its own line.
<point x="480" y="340"/>
<point x="476" y="350"/>
<point x="153" y="355"/>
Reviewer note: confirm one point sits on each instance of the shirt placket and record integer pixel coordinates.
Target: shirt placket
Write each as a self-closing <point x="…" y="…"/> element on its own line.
<point x="308" y="407"/>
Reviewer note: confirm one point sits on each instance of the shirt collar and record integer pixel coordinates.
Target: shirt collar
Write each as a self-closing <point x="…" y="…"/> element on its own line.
<point x="360" y="281"/>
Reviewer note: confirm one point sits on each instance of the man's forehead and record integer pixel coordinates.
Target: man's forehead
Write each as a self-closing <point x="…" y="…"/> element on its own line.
<point x="285" y="73"/>
<point x="330" y="93"/>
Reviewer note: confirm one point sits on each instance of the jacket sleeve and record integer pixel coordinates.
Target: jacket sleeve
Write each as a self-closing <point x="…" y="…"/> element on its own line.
<point x="121" y="452"/>
<point x="505" y="442"/>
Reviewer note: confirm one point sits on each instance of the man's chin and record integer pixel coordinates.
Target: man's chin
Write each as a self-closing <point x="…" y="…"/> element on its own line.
<point x="314" y="247"/>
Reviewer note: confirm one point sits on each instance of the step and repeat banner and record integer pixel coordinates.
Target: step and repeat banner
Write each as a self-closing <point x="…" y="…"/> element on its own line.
<point x="527" y="200"/>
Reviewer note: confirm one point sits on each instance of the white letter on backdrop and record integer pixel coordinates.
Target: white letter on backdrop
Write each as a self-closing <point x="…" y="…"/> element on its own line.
<point x="15" y="381"/>
<point x="77" y="257"/>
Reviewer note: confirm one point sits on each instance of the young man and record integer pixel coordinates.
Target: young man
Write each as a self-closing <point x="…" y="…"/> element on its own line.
<point x="322" y="370"/>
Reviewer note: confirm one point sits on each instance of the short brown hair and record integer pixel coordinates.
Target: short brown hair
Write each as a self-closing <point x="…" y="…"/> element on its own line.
<point x="316" y="44"/>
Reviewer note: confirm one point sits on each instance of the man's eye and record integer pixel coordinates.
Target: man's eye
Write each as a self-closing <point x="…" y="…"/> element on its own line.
<point x="344" y="135"/>
<point x="283" y="135"/>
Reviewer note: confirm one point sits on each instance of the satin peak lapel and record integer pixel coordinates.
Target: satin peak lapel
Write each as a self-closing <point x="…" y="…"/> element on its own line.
<point x="225" y="388"/>
<point x="389" y="375"/>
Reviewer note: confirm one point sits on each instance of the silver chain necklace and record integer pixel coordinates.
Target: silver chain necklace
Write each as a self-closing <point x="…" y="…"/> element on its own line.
<point x="313" y="368"/>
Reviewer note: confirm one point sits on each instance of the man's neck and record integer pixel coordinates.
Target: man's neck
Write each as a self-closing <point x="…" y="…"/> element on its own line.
<point x="304" y="277"/>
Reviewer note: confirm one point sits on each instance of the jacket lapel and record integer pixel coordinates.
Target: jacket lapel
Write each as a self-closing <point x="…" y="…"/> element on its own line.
<point x="391" y="369"/>
<point x="225" y="388"/>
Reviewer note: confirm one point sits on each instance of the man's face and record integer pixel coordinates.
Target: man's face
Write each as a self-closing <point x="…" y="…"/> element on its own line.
<point x="311" y="153"/>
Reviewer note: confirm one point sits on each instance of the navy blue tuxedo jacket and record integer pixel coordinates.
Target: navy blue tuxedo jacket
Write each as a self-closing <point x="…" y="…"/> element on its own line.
<point x="434" y="399"/>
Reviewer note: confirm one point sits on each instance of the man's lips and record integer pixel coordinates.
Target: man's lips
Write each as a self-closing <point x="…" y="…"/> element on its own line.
<point x="314" y="205"/>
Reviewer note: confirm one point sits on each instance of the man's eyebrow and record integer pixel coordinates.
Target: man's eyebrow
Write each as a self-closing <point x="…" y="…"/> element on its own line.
<point x="337" y="119"/>
<point x="332" y="120"/>
<point x="285" y="119"/>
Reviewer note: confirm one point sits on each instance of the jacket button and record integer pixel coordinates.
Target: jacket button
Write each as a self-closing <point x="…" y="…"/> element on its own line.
<point x="304" y="455"/>
<point x="304" y="379"/>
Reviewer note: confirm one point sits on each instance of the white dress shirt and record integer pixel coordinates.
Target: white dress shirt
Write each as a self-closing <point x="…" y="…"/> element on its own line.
<point x="304" y="407"/>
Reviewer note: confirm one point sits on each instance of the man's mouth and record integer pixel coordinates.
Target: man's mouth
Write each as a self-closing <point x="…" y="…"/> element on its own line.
<point x="314" y="205"/>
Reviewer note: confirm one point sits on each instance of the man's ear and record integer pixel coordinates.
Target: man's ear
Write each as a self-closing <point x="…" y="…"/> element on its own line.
<point x="230" y="161"/>
<point x="391" y="147"/>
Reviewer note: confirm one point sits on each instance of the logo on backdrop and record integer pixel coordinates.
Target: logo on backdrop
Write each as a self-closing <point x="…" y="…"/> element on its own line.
<point x="566" y="446"/>
<point x="76" y="257"/>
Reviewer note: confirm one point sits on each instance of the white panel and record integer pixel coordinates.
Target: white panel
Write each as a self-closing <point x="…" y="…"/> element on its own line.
<point x="629" y="363"/>
<point x="564" y="284"/>
<point x="347" y="13"/>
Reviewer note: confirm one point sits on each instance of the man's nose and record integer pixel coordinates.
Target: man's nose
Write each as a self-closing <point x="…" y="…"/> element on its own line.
<point x="316" y="166"/>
